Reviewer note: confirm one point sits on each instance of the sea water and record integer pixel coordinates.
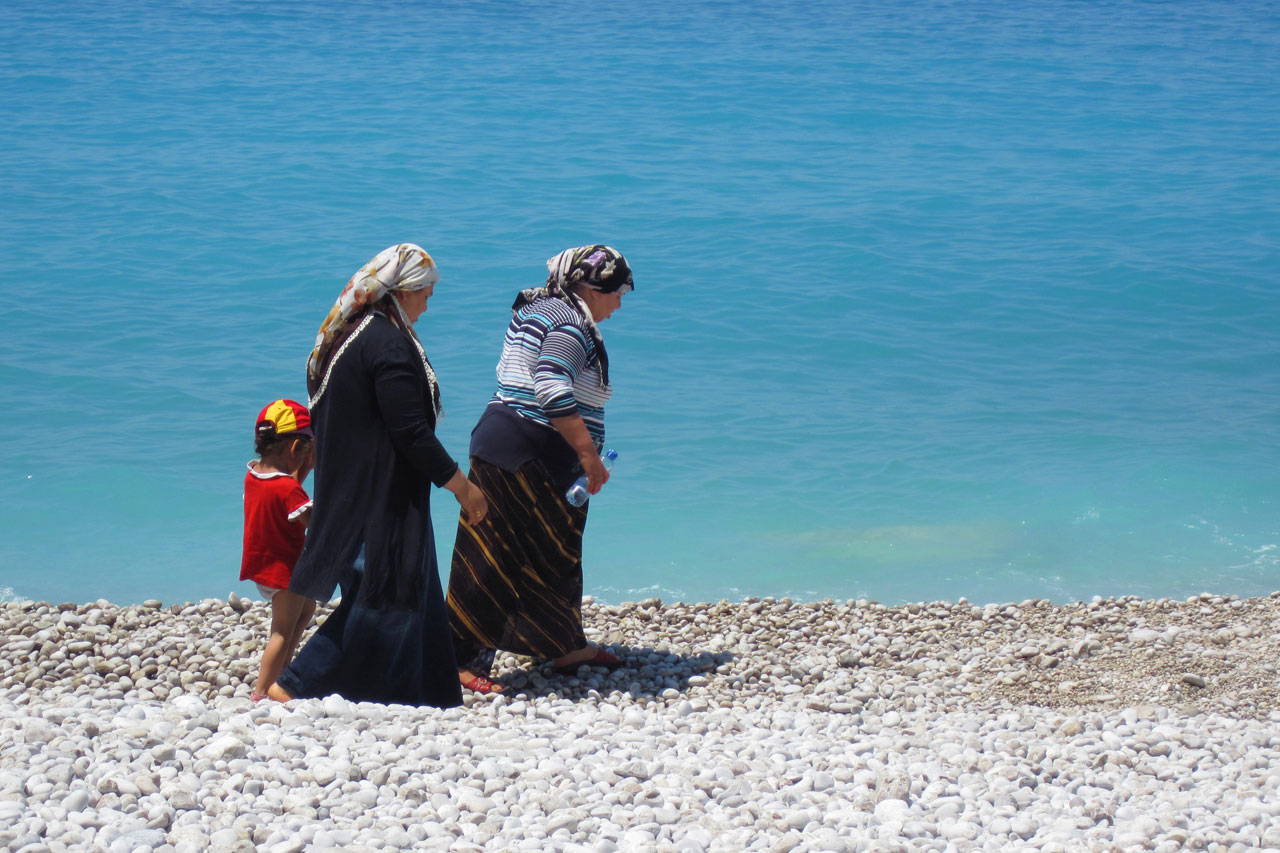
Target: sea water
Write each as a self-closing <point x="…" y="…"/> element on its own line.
<point x="934" y="299"/>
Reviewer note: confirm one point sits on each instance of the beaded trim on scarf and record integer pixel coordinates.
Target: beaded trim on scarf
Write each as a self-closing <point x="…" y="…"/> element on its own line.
<point x="432" y="384"/>
<point x="324" y="383"/>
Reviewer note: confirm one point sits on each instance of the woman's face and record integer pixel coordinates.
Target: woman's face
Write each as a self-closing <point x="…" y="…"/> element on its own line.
<point x="601" y="304"/>
<point x="414" y="302"/>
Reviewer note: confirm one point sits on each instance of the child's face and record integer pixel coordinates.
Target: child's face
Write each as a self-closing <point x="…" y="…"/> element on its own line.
<point x="303" y="452"/>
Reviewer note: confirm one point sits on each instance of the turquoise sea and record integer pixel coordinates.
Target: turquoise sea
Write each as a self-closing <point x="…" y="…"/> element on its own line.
<point x="934" y="299"/>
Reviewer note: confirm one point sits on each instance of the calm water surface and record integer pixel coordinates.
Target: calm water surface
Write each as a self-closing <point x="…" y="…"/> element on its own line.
<point x="934" y="299"/>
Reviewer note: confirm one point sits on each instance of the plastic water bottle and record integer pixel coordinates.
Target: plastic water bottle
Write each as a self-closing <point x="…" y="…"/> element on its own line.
<point x="578" y="494"/>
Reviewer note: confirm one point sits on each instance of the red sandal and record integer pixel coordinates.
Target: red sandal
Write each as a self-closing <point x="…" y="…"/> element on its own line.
<point x="480" y="684"/>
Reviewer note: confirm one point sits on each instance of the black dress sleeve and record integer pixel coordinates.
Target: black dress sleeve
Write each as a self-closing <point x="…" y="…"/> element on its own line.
<point x="401" y="392"/>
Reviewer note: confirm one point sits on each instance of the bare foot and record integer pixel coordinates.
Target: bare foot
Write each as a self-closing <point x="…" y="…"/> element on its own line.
<point x="581" y="655"/>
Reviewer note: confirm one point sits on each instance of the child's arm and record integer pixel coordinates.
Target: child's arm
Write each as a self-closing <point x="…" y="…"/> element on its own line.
<point x="301" y="514"/>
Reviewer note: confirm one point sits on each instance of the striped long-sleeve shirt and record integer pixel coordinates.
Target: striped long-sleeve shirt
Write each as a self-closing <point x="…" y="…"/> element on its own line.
<point x="550" y="367"/>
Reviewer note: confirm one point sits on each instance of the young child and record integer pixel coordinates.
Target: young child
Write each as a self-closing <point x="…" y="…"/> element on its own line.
<point x="276" y="513"/>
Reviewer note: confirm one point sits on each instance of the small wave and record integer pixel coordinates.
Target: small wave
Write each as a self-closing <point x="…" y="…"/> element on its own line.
<point x="1261" y="557"/>
<point x="608" y="594"/>
<point x="1091" y="514"/>
<point x="7" y="595"/>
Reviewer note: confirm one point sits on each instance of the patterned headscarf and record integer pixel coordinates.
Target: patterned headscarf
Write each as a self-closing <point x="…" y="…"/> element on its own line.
<point x="600" y="268"/>
<point x="403" y="267"/>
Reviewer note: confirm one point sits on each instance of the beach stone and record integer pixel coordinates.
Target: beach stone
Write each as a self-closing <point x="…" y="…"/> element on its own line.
<point x="891" y="809"/>
<point x="224" y="838"/>
<point x="224" y="748"/>
<point x="788" y="842"/>
<point x="74" y="802"/>
<point x="190" y="837"/>
<point x="324" y="773"/>
<point x="1022" y="827"/>
<point x="636" y="839"/>
<point x="635" y="770"/>
<point x="490" y="769"/>
<point x="296" y="845"/>
<point x="140" y="838"/>
<point x="118" y="785"/>
<point x="1193" y="679"/>
<point x="565" y="819"/>
<point x="182" y="800"/>
<point x="666" y="816"/>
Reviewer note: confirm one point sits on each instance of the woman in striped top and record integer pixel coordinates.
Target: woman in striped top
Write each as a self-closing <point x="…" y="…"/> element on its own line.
<point x="516" y="579"/>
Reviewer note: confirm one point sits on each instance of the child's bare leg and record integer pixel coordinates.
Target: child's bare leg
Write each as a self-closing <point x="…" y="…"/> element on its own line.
<point x="285" y="608"/>
<point x="300" y="627"/>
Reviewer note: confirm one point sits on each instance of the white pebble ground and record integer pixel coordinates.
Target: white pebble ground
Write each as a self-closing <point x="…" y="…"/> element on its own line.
<point x="1117" y="724"/>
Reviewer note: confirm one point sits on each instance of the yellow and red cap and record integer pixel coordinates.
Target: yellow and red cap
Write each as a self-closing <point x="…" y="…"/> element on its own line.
<point x="286" y="416"/>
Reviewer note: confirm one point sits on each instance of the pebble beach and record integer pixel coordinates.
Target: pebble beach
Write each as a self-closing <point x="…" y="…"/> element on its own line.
<point x="775" y="725"/>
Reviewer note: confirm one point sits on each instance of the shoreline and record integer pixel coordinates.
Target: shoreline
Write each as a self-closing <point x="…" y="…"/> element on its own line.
<point x="761" y="724"/>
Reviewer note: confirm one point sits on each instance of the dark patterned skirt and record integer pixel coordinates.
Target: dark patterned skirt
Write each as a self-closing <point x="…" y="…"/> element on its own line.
<point x="381" y="654"/>
<point x="516" y="579"/>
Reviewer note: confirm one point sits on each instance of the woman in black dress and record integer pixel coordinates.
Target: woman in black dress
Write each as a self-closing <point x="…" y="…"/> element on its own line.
<point x="374" y="407"/>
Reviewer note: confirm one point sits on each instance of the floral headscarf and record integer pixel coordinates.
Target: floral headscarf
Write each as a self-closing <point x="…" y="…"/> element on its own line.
<point x="600" y="268"/>
<point x="403" y="267"/>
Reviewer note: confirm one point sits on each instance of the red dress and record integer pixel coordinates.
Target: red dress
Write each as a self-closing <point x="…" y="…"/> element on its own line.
<point x="272" y="540"/>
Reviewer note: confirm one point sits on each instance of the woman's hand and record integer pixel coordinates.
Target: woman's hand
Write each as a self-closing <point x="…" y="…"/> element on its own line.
<point x="574" y="430"/>
<point x="597" y="474"/>
<point x="470" y="498"/>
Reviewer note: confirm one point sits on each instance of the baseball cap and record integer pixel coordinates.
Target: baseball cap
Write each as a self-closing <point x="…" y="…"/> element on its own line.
<point x="285" y="416"/>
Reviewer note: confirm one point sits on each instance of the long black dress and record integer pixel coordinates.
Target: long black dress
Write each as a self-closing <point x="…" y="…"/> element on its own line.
<point x="376" y="458"/>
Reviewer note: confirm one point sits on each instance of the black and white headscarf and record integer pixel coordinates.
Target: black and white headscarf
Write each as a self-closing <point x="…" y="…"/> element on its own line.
<point x="601" y="268"/>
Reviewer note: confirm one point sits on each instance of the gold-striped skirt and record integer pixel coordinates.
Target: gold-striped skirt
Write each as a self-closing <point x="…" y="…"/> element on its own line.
<point x="516" y="579"/>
